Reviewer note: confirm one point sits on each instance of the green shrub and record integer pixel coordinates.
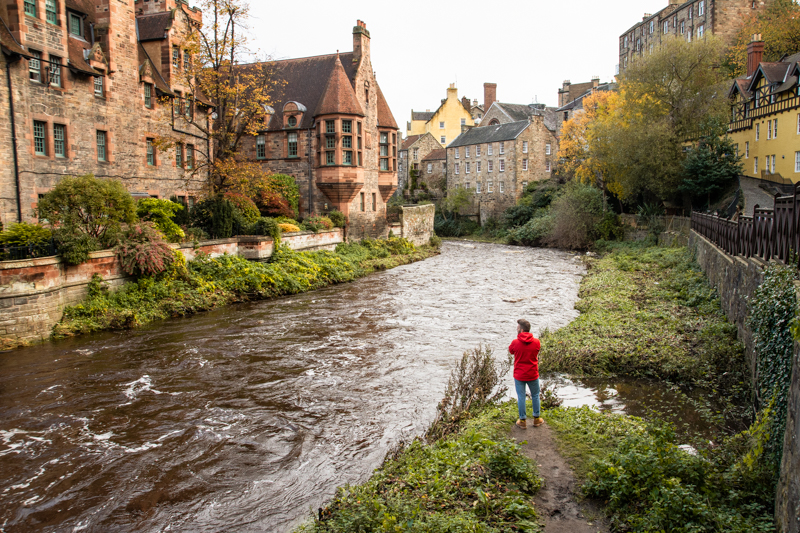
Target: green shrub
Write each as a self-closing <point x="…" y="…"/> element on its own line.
<point x="575" y="212"/>
<point x="245" y="206"/>
<point x="196" y="234"/>
<point x="454" y="227"/>
<point x="517" y="215"/>
<point x="317" y="223"/>
<point x="435" y="241"/>
<point x="534" y="232"/>
<point x="610" y="228"/>
<point x="25" y="234"/>
<point x="142" y="250"/>
<point x="182" y="217"/>
<point x="74" y="248"/>
<point x="651" y="217"/>
<point x="161" y="213"/>
<point x="216" y="216"/>
<point x="88" y="206"/>
<point x="338" y="218"/>
<point x="267" y="227"/>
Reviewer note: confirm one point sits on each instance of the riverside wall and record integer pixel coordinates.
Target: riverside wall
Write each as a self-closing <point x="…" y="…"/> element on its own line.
<point x="34" y="292"/>
<point x="417" y="223"/>
<point x="736" y="279"/>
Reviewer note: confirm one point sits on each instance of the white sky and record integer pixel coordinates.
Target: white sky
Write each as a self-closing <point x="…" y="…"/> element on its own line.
<point x="418" y="48"/>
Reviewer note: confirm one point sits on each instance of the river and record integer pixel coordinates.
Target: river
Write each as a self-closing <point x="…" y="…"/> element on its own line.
<point x="247" y="417"/>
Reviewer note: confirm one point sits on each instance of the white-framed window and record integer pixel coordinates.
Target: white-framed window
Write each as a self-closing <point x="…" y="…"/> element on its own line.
<point x="502" y="148"/>
<point x="489" y="166"/>
<point x="458" y="154"/>
<point x="477" y="166"/>
<point x="769" y="129"/>
<point x="148" y="96"/>
<point x="466" y="185"/>
<point x="489" y="149"/>
<point x="747" y="150"/>
<point x="689" y="35"/>
<point x="798" y="123"/>
<point x="55" y="71"/>
<point x="466" y="151"/>
<point x="758" y="131"/>
<point x="524" y="184"/>
<point x="430" y="168"/>
<point x="524" y="147"/>
<point x="99" y="86"/>
<point x="652" y="26"/>
<point x="775" y="128"/>
<point x="625" y="42"/>
<point x="441" y="125"/>
<point x="500" y="185"/>
<point x="443" y="139"/>
<point x="291" y="147"/>
<point x="35" y="66"/>
<point x="39" y="137"/>
<point x="700" y="29"/>
<point x="466" y="168"/>
<point x="176" y="57"/>
<point x="478" y="147"/>
<point x="463" y="122"/>
<point x="189" y="156"/>
<point x="772" y="168"/>
<point x="666" y="26"/>
<point x="701" y="8"/>
<point x="797" y="161"/>
<point x="547" y="166"/>
<point x="524" y="164"/>
<point x="691" y="12"/>
<point x="755" y="165"/>
<point x="502" y="165"/>
<point x="488" y="187"/>
<point x="458" y="168"/>
<point x="478" y="188"/>
<point x="179" y="155"/>
<point x="683" y="27"/>
<point x="416" y="153"/>
<point x="547" y="149"/>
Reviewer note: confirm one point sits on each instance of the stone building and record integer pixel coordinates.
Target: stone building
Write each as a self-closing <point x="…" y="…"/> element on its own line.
<point x="445" y="123"/>
<point x="572" y="106"/>
<point x="331" y="129"/>
<point x="765" y="116"/>
<point x="497" y="162"/>
<point x="687" y="20"/>
<point x="412" y="151"/>
<point x="571" y="91"/>
<point x="434" y="172"/>
<point x="90" y="85"/>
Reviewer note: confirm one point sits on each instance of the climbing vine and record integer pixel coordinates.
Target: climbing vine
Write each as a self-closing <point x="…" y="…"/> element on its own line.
<point x="772" y="312"/>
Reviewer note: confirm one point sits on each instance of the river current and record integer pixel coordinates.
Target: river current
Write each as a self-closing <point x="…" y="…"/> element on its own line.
<point x="247" y="417"/>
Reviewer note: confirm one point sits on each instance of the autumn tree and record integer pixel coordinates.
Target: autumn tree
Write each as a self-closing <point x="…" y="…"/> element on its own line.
<point x="779" y="27"/>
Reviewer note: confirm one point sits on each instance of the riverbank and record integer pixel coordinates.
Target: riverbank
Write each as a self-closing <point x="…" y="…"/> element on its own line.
<point x="210" y="282"/>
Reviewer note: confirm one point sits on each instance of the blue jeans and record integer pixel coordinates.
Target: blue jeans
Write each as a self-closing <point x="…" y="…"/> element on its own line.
<point x="534" y="388"/>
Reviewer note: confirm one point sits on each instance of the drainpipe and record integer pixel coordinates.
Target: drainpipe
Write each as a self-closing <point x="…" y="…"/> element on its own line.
<point x="310" y="170"/>
<point x="14" y="140"/>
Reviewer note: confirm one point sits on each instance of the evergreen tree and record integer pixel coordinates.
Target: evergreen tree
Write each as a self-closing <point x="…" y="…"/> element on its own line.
<point x="710" y="167"/>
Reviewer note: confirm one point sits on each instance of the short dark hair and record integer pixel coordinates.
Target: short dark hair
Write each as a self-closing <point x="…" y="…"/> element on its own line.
<point x="526" y="326"/>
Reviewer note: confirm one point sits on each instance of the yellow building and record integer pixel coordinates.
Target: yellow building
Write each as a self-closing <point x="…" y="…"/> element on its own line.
<point x="765" y="117"/>
<point x="444" y="123"/>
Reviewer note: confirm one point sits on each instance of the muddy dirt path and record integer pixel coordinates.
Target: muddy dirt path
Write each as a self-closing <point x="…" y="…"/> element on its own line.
<point x="558" y="501"/>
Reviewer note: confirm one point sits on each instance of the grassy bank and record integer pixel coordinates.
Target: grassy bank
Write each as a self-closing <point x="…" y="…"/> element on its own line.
<point x="648" y="311"/>
<point x="206" y="283"/>
<point x="475" y="480"/>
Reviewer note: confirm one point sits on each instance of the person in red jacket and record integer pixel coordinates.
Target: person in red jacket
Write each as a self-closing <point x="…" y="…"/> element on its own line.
<point x="525" y="349"/>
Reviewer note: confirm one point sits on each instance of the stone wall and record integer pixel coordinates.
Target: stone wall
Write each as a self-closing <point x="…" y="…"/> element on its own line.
<point x="417" y="223"/>
<point x="34" y="292"/>
<point x="736" y="279"/>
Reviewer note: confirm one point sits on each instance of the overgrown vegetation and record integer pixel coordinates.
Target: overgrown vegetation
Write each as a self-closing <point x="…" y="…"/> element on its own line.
<point x="184" y="288"/>
<point x="468" y="477"/>
<point x="649" y="483"/>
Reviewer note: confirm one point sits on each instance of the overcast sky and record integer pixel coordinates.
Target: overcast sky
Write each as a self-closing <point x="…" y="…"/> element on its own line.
<point x="418" y="48"/>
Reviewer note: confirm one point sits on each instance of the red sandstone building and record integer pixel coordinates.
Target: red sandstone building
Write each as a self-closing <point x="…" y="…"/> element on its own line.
<point x="332" y="130"/>
<point x="88" y="86"/>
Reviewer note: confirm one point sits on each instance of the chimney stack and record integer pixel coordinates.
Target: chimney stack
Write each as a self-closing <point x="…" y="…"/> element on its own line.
<point x="489" y="95"/>
<point x="755" y="51"/>
<point x="360" y="42"/>
<point x="465" y="103"/>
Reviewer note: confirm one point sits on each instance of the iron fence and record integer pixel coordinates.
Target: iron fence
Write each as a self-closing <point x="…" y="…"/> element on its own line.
<point x="768" y="234"/>
<point x="30" y="251"/>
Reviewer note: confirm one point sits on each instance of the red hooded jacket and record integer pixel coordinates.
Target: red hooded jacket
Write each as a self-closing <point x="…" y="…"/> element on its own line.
<point x="525" y="349"/>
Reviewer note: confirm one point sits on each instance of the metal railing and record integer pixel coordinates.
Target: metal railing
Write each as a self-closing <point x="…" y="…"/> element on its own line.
<point x="30" y="251"/>
<point x="768" y="234"/>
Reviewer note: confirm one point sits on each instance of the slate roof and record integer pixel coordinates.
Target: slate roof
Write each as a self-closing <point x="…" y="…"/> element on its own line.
<point x="7" y="40"/>
<point x="153" y="27"/>
<point x="436" y="155"/>
<point x="578" y="102"/>
<point x="77" y="59"/>
<point x="488" y="134"/>
<point x="338" y="96"/>
<point x="82" y="6"/>
<point x="385" y="117"/>
<point x="411" y="139"/>
<point x="425" y="116"/>
<point x="518" y="112"/>
<point x="160" y="83"/>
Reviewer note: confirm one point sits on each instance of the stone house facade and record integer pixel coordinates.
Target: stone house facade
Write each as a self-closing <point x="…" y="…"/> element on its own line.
<point x="412" y="151"/>
<point x="687" y="20"/>
<point x="90" y="85"/>
<point x="497" y="162"/>
<point x="330" y="128"/>
<point x="574" y="106"/>
<point x="433" y="172"/>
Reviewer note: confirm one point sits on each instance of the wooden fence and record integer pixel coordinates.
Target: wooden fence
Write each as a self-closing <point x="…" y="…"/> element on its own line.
<point x="768" y="234"/>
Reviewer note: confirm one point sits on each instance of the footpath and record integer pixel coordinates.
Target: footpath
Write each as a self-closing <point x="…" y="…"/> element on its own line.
<point x="557" y="502"/>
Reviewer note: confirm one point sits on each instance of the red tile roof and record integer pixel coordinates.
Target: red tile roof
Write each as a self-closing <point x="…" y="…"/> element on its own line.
<point x="7" y="40"/>
<point x="339" y="96"/>
<point x="411" y="139"/>
<point x="385" y="117"/>
<point x="439" y="153"/>
<point x="77" y="61"/>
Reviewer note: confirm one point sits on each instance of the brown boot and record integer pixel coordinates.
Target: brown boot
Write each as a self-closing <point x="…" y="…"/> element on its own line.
<point x="538" y="422"/>
<point x="522" y="424"/>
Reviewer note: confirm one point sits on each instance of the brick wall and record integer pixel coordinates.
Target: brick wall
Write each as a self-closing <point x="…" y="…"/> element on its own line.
<point x="34" y="292"/>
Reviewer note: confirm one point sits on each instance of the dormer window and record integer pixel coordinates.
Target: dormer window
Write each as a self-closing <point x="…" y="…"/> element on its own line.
<point x="293" y="114"/>
<point x="76" y="24"/>
<point x="292" y="122"/>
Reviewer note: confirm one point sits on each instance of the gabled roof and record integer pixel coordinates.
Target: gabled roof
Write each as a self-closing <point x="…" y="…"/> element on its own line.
<point x="488" y="134"/>
<point x="740" y="85"/>
<point x="578" y="102"/>
<point x="385" y="117"/>
<point x="77" y="58"/>
<point x="411" y="139"/>
<point x="772" y="72"/>
<point x="338" y="96"/>
<point x="153" y="27"/>
<point x="436" y="155"/>
<point x="148" y="65"/>
<point x="424" y="116"/>
<point x="7" y="40"/>
<point x="518" y="112"/>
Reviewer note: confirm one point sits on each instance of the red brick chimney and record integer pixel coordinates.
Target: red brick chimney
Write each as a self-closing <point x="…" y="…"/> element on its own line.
<point x="755" y="51"/>
<point x="465" y="103"/>
<point x="489" y="95"/>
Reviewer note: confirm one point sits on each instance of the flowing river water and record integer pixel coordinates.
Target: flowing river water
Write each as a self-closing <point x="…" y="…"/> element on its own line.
<point x="245" y="418"/>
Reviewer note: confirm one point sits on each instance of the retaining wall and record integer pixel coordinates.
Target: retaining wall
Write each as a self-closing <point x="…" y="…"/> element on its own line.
<point x="34" y="292"/>
<point x="736" y="279"/>
<point x="417" y="223"/>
